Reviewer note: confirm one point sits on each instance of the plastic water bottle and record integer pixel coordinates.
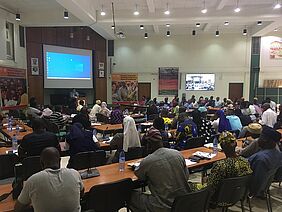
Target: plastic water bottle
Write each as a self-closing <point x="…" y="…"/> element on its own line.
<point x="145" y="116"/>
<point x="14" y="143"/>
<point x="215" y="145"/>
<point x="17" y="129"/>
<point x="10" y="125"/>
<point x="121" y="161"/>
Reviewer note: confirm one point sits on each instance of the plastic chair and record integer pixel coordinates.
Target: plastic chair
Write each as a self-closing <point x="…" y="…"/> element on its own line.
<point x="30" y="166"/>
<point x="194" y="201"/>
<point x="102" y="118"/>
<point x="230" y="191"/>
<point x="194" y="142"/>
<point x="7" y="163"/>
<point x="109" y="197"/>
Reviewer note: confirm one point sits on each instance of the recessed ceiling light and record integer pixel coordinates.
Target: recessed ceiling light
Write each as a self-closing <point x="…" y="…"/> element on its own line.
<point x="217" y="33"/>
<point x="204" y="10"/>
<point x="237" y="9"/>
<point x="136" y="12"/>
<point x="277" y="5"/>
<point x="167" y="12"/>
<point x="66" y="15"/>
<point x="198" y="24"/>
<point x="168" y="33"/>
<point x="245" y="31"/>
<point x="226" y="23"/>
<point x="113" y="26"/>
<point x="146" y="35"/>
<point x="167" y="25"/>
<point x="103" y="13"/>
<point x="276" y="29"/>
<point x="194" y="32"/>
<point x="141" y="26"/>
<point x="18" y="17"/>
<point x="259" y="23"/>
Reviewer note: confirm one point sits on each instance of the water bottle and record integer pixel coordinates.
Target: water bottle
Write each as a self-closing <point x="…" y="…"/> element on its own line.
<point x="18" y="129"/>
<point x="145" y="116"/>
<point x="121" y="161"/>
<point x="14" y="143"/>
<point x="215" y="145"/>
<point x="10" y="126"/>
<point x="139" y="128"/>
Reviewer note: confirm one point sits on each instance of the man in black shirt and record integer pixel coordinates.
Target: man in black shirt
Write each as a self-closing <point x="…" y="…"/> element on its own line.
<point x="33" y="143"/>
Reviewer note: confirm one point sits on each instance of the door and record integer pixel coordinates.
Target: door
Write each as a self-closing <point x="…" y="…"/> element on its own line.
<point x="235" y="91"/>
<point x="144" y="89"/>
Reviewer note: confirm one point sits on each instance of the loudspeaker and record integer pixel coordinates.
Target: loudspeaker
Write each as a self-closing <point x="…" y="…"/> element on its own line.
<point x="22" y="36"/>
<point x="111" y="45"/>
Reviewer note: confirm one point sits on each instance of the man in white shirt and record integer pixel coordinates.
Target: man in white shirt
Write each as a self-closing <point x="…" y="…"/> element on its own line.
<point x="53" y="189"/>
<point x="95" y="109"/>
<point x="272" y="104"/>
<point x="268" y="117"/>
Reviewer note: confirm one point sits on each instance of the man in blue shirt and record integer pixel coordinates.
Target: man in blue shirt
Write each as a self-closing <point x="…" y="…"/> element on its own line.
<point x="267" y="160"/>
<point x="234" y="121"/>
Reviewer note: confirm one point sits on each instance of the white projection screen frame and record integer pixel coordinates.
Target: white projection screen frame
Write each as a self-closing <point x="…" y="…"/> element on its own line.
<point x="67" y="83"/>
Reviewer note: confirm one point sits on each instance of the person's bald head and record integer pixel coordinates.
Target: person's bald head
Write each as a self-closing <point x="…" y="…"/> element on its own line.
<point x="50" y="158"/>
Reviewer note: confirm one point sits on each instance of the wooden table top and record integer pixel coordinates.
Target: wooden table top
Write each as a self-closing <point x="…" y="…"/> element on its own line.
<point x="107" y="127"/>
<point x="20" y="135"/>
<point x="111" y="173"/>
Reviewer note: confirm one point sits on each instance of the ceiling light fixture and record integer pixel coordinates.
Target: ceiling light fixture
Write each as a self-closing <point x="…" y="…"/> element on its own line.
<point x="18" y="17"/>
<point x="277" y="5"/>
<point x="217" y="33"/>
<point x="198" y="24"/>
<point x="167" y="33"/>
<point x="103" y="13"/>
<point x="66" y="15"/>
<point x="167" y="12"/>
<point x="167" y="25"/>
<point x="194" y="32"/>
<point x="141" y="26"/>
<point x="204" y="10"/>
<point x="245" y="32"/>
<point x="113" y="26"/>
<point x="276" y="29"/>
<point x="237" y="9"/>
<point x="88" y="37"/>
<point x="146" y="35"/>
<point x="136" y="12"/>
<point x="259" y="23"/>
<point x="226" y="23"/>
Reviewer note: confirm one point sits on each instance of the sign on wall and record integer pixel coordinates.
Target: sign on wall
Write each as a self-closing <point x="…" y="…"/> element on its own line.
<point x="13" y="87"/>
<point x="168" y="80"/>
<point x="276" y="50"/>
<point x="124" y="88"/>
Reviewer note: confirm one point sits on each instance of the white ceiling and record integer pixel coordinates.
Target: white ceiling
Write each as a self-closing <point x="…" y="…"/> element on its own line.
<point x="184" y="15"/>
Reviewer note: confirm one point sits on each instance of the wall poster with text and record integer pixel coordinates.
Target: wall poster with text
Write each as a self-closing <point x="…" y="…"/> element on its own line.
<point x="168" y="80"/>
<point x="124" y="88"/>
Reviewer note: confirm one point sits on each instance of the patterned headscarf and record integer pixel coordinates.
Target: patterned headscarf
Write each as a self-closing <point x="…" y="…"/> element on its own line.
<point x="226" y="138"/>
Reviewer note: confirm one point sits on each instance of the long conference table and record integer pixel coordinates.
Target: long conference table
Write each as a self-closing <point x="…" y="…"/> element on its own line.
<point x="111" y="173"/>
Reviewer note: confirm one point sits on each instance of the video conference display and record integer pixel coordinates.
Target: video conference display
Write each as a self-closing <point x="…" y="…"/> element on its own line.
<point x="67" y="67"/>
<point x="200" y="82"/>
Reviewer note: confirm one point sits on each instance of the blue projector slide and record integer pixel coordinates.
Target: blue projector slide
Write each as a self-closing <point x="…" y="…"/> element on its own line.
<point x="68" y="66"/>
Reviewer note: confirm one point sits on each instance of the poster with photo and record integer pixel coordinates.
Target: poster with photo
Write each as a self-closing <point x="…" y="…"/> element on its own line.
<point x="200" y="82"/>
<point x="168" y="80"/>
<point x="276" y="50"/>
<point x="124" y="88"/>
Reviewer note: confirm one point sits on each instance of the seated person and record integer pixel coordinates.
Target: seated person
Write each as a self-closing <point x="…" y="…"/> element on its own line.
<point x="104" y="110"/>
<point x="267" y="159"/>
<point x="166" y="173"/>
<point x="83" y="118"/>
<point x="221" y="123"/>
<point x="234" y="120"/>
<point x="80" y="140"/>
<point x="278" y="124"/>
<point x="175" y="119"/>
<point x="128" y="139"/>
<point x="32" y="110"/>
<point x="245" y="119"/>
<point x="33" y="143"/>
<point x="232" y="166"/>
<point x="80" y="105"/>
<point x="57" y="118"/>
<point x="53" y="189"/>
<point x="95" y="109"/>
<point x="186" y="129"/>
<point x="116" y="115"/>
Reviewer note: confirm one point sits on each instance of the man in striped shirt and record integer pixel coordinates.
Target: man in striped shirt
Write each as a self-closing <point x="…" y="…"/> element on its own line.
<point x="57" y="117"/>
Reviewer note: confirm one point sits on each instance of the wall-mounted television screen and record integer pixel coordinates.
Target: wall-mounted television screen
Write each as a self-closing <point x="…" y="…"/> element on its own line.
<point x="200" y="82"/>
<point x="67" y="67"/>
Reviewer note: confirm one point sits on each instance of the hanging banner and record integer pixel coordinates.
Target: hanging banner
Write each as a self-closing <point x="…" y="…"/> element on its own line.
<point x="13" y="87"/>
<point x="168" y="80"/>
<point x="124" y="88"/>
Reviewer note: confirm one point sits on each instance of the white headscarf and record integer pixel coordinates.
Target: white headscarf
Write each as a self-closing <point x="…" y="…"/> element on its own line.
<point x="130" y="134"/>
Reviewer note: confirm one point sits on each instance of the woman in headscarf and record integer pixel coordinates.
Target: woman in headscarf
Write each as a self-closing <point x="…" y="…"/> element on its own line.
<point x="104" y="110"/>
<point x="203" y="125"/>
<point x="80" y="140"/>
<point x="128" y="139"/>
<point x="222" y="123"/>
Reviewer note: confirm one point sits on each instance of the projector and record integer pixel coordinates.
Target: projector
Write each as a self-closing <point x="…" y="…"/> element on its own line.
<point x="120" y="34"/>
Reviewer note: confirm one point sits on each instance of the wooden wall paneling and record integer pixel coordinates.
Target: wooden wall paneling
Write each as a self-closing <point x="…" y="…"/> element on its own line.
<point x="49" y="35"/>
<point x="34" y="34"/>
<point x="77" y="40"/>
<point x="34" y="50"/>
<point x="100" y="83"/>
<point x="63" y="36"/>
<point x="36" y="88"/>
<point x="88" y="44"/>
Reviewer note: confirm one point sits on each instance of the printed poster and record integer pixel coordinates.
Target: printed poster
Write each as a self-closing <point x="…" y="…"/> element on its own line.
<point x="276" y="50"/>
<point x="124" y="88"/>
<point x="168" y="80"/>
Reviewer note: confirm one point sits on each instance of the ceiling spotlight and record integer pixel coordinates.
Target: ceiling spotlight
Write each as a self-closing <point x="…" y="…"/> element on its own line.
<point x="194" y="32"/>
<point x="113" y="26"/>
<point x="103" y="13"/>
<point x="168" y="33"/>
<point x="146" y="35"/>
<point x="276" y="29"/>
<point x="259" y="23"/>
<point x="237" y="9"/>
<point x="226" y="23"/>
<point x="66" y="15"/>
<point x="198" y="24"/>
<point x="18" y="16"/>
<point x="245" y="31"/>
<point x="217" y="33"/>
<point x="136" y="12"/>
<point x="141" y="26"/>
<point x="204" y="10"/>
<point x="277" y="5"/>
<point x="167" y="25"/>
<point x="167" y="12"/>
